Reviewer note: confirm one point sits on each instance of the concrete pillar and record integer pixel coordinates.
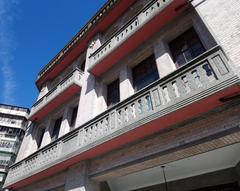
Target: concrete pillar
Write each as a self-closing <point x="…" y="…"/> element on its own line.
<point x="165" y="64"/>
<point x="47" y="134"/>
<point x="65" y="125"/>
<point x="87" y="100"/>
<point x="29" y="144"/>
<point x="203" y="33"/>
<point x="126" y="87"/>
<point x="88" y="97"/>
<point x="44" y="90"/>
<point x="77" y="179"/>
<point x="96" y="42"/>
<point x="101" y="91"/>
<point x="224" y="30"/>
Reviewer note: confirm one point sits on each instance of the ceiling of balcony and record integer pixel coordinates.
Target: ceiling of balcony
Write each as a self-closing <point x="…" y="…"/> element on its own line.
<point x="200" y="164"/>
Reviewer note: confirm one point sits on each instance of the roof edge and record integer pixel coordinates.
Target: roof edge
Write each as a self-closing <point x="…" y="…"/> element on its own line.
<point x="83" y="31"/>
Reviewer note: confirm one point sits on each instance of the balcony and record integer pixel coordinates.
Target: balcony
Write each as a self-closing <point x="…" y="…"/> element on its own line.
<point x="9" y="146"/>
<point x="68" y="87"/>
<point x="11" y="122"/>
<point x="141" y="27"/>
<point x="168" y="101"/>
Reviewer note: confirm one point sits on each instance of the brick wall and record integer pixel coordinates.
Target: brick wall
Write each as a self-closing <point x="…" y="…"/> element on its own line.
<point x="223" y="19"/>
<point x="164" y="142"/>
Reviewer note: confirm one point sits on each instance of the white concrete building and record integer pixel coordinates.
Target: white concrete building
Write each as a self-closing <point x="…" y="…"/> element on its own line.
<point x="13" y="122"/>
<point x="144" y="84"/>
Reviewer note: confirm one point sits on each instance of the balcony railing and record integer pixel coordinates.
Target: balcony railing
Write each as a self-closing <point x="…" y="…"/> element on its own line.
<point x="73" y="78"/>
<point x="10" y="147"/>
<point x="145" y="15"/>
<point x="11" y="122"/>
<point x="205" y="75"/>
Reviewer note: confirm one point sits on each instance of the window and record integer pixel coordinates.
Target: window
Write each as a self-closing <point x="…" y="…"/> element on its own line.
<point x="82" y="67"/>
<point x="145" y="73"/>
<point x="40" y="137"/>
<point x="74" y="116"/>
<point x="186" y="47"/>
<point x="56" y="129"/>
<point x="113" y="94"/>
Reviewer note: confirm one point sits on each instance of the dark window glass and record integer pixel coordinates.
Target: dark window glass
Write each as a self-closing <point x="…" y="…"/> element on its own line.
<point x="83" y="65"/>
<point x="186" y="47"/>
<point x="74" y="116"/>
<point x="56" y="129"/>
<point x="113" y="94"/>
<point x="40" y="138"/>
<point x="145" y="73"/>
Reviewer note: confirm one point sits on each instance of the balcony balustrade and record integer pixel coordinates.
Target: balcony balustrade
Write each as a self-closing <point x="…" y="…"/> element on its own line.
<point x="199" y="79"/>
<point x="10" y="147"/>
<point x="145" y="15"/>
<point x="68" y="86"/>
<point x="11" y="122"/>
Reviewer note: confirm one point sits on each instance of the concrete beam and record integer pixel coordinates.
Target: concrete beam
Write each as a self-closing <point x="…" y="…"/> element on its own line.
<point x="218" y="130"/>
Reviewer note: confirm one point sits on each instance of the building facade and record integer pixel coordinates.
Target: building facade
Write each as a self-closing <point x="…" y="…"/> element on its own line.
<point x="13" y="122"/>
<point x="144" y="97"/>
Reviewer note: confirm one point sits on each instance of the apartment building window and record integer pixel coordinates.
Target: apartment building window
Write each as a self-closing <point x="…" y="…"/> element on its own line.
<point x="186" y="47"/>
<point x="56" y="129"/>
<point x="74" y="116"/>
<point x="145" y="73"/>
<point x="113" y="93"/>
<point x="40" y="136"/>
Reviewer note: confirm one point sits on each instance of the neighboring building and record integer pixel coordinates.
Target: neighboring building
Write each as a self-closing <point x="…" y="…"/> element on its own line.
<point x="145" y="83"/>
<point x="13" y="121"/>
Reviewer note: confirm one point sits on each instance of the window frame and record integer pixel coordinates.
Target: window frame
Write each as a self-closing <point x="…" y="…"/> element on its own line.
<point x="182" y="48"/>
<point x="56" y="128"/>
<point x="143" y="72"/>
<point x="110" y="99"/>
<point x="74" y="116"/>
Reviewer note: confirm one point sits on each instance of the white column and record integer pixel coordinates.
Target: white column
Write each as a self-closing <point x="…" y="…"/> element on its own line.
<point x="28" y="145"/>
<point x="77" y="179"/>
<point x="87" y="101"/>
<point x="125" y="79"/>
<point x="100" y="105"/>
<point x="88" y="96"/>
<point x="164" y="61"/>
<point x="44" y="90"/>
<point x="65" y="126"/>
<point x="47" y="134"/>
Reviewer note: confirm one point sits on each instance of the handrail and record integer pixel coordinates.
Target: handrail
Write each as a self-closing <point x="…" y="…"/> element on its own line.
<point x="55" y="87"/>
<point x="122" y="28"/>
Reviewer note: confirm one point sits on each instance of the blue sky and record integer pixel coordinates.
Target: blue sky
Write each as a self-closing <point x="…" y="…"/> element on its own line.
<point x="31" y="34"/>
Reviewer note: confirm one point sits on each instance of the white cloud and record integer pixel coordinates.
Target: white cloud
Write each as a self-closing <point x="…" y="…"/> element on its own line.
<point x="7" y="48"/>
